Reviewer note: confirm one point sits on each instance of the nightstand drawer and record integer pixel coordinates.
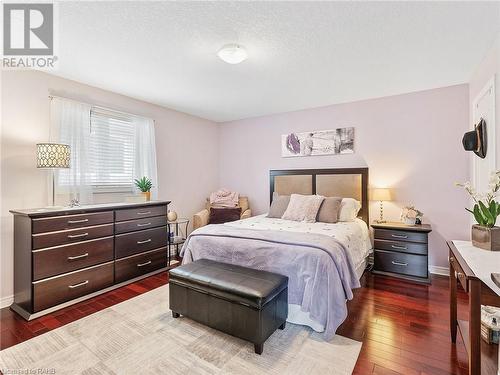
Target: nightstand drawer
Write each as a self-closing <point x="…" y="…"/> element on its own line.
<point x="405" y="264"/>
<point x="402" y="247"/>
<point x="400" y="235"/>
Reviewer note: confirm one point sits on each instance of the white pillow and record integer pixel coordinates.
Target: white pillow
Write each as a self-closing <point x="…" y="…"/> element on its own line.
<point x="303" y="208"/>
<point x="349" y="209"/>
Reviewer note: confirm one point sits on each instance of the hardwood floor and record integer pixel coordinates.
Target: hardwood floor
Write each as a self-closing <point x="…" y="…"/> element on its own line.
<point x="404" y="326"/>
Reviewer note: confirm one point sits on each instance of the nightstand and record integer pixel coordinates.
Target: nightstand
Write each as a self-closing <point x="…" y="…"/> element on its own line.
<point x="401" y="250"/>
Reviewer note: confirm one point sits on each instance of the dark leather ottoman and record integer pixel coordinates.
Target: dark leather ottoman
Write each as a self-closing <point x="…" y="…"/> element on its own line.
<point x="243" y="302"/>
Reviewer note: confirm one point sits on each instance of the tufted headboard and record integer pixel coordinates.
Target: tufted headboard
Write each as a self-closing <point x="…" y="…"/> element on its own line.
<point x="338" y="182"/>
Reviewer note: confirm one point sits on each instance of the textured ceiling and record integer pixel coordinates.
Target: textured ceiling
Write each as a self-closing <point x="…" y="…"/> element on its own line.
<point x="301" y="54"/>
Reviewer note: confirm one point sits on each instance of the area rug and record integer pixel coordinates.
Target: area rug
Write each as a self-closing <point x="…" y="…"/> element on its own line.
<point x="139" y="336"/>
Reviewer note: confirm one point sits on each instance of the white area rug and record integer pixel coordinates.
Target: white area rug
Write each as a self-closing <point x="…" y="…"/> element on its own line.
<point x="139" y="336"/>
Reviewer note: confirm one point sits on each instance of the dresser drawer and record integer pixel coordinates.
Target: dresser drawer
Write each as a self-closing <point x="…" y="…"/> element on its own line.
<point x="59" y="289"/>
<point x="137" y="265"/>
<point x="400" y="235"/>
<point x="138" y="213"/>
<point x="57" y="260"/>
<point x="52" y="224"/>
<point x="140" y="241"/>
<point x="70" y="236"/>
<point x="402" y="247"/>
<point x="405" y="264"/>
<point x="140" y="224"/>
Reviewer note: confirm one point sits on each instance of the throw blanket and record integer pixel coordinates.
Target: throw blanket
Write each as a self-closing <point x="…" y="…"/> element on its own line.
<point x="320" y="270"/>
<point x="224" y="198"/>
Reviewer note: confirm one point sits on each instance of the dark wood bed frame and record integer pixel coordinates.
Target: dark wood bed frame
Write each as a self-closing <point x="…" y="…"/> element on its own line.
<point x="363" y="213"/>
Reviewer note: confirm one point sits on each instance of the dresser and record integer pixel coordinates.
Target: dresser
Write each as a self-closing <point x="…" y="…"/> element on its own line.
<point x="63" y="256"/>
<point x="402" y="251"/>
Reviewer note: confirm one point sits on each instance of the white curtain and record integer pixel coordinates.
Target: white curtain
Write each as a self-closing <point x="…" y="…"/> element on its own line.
<point x="145" y="150"/>
<point x="72" y="121"/>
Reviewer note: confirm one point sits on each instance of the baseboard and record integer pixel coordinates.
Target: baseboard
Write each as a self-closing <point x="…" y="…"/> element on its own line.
<point x="437" y="270"/>
<point x="6" y="301"/>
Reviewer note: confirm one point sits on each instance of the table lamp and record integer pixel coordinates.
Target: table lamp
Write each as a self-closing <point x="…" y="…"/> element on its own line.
<point x="381" y="194"/>
<point x="52" y="156"/>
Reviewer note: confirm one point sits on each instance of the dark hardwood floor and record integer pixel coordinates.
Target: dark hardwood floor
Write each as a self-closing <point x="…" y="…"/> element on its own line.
<point x="404" y="326"/>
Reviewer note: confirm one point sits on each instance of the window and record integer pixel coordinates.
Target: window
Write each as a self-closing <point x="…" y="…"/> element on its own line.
<point x="111" y="150"/>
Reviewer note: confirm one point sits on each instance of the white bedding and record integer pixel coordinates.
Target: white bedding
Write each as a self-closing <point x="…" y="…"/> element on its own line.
<point x="354" y="235"/>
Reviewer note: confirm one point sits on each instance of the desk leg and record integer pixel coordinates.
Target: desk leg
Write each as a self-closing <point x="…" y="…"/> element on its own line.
<point x="453" y="301"/>
<point x="475" y="327"/>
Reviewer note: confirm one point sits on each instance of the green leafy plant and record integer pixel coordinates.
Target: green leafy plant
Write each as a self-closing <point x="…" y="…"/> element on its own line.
<point x="143" y="184"/>
<point x="486" y="208"/>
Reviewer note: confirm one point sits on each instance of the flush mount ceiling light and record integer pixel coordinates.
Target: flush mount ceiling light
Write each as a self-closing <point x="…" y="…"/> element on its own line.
<point x="232" y="53"/>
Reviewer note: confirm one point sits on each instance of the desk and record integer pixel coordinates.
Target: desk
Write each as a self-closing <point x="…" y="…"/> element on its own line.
<point x="472" y="267"/>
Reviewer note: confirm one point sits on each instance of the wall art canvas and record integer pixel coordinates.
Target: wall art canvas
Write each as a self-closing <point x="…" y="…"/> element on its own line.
<point x="315" y="143"/>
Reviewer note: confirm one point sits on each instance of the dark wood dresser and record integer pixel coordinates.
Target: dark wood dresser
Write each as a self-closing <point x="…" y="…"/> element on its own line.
<point x="402" y="251"/>
<point x="63" y="256"/>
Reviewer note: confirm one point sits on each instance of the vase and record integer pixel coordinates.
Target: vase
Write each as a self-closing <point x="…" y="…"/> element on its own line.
<point x="486" y="238"/>
<point x="172" y="216"/>
<point x="410" y="221"/>
<point x="147" y="195"/>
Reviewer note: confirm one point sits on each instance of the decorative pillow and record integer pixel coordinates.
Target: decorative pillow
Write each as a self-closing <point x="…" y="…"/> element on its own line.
<point x="303" y="208"/>
<point x="329" y="210"/>
<point x="278" y="205"/>
<point x="224" y="215"/>
<point x="349" y="209"/>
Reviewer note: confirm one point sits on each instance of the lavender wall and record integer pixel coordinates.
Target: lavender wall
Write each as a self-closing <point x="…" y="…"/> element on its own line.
<point x="410" y="142"/>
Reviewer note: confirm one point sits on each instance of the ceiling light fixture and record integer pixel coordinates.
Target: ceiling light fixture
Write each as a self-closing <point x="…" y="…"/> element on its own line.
<point x="232" y="53"/>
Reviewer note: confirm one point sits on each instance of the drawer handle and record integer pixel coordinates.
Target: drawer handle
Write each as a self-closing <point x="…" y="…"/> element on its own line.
<point x="144" y="264"/>
<point x="460" y="275"/>
<point x="78" y="285"/>
<point x="452" y="259"/>
<point x="399" y="247"/>
<point x="143" y="225"/>
<point x="145" y="241"/>
<point x="78" y="256"/>
<point x="77" y="221"/>
<point x="399" y="264"/>
<point x="144" y="213"/>
<point x="77" y="235"/>
<point x="399" y="236"/>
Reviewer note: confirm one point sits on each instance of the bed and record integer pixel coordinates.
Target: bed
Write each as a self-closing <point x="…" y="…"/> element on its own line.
<point x="323" y="261"/>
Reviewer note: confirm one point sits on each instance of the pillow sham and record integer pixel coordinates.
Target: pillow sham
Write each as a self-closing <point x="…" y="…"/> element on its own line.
<point x="224" y="215"/>
<point x="349" y="209"/>
<point x="278" y="205"/>
<point x="329" y="210"/>
<point x="303" y="208"/>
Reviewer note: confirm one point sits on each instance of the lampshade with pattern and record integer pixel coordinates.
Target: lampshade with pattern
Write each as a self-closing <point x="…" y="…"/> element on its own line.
<point x="52" y="155"/>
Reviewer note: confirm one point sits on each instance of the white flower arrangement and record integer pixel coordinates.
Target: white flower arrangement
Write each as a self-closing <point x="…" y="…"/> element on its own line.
<point x="486" y="208"/>
<point x="409" y="214"/>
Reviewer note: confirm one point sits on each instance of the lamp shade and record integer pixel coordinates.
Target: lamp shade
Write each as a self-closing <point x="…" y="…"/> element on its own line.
<point x="52" y="155"/>
<point x="381" y="194"/>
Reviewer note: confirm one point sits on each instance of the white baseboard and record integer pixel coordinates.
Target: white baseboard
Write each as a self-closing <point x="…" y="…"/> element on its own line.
<point x="437" y="270"/>
<point x="6" y="301"/>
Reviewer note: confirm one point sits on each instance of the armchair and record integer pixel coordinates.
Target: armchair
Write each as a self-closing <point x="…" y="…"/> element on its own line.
<point x="200" y="219"/>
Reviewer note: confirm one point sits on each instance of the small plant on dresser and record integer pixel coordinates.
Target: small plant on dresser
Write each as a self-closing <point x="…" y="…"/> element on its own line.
<point x="144" y="184"/>
<point x="486" y="210"/>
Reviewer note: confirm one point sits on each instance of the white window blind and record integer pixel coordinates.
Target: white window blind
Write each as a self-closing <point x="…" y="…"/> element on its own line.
<point x="111" y="149"/>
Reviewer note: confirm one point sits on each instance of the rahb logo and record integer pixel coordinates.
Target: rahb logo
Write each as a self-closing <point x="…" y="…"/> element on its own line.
<point x="28" y="36"/>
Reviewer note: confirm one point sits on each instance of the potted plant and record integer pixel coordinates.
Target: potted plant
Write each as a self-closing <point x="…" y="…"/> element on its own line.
<point x="485" y="234"/>
<point x="144" y="184"/>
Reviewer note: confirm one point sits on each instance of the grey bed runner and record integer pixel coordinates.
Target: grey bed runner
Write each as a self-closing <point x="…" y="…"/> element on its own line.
<point x="320" y="270"/>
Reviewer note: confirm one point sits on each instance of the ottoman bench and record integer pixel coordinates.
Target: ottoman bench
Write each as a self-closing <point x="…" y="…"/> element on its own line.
<point x="243" y="302"/>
